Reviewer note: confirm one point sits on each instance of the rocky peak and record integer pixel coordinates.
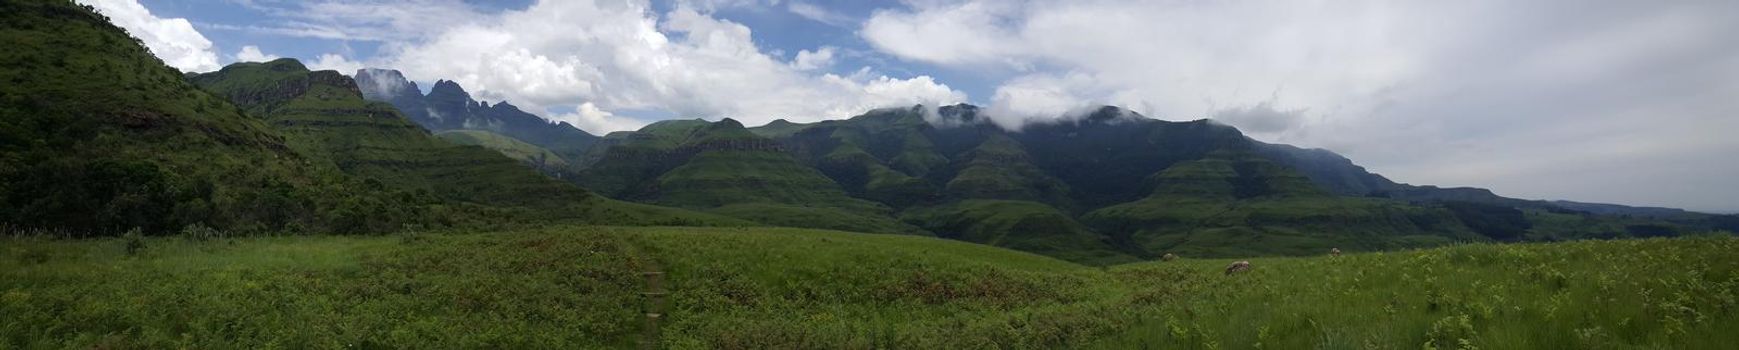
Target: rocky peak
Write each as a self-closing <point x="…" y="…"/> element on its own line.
<point x="504" y="106"/>
<point x="447" y="87"/>
<point x="961" y="112"/>
<point x="450" y="97"/>
<point x="385" y="84"/>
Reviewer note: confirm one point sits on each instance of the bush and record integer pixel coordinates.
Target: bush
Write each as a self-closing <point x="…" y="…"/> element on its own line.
<point x="135" y="241"/>
<point x="200" y="232"/>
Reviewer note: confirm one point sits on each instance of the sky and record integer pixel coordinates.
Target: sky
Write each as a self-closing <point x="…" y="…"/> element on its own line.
<point x="1630" y="102"/>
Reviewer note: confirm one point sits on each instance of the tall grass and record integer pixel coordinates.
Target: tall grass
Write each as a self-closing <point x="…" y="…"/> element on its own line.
<point x="576" y="287"/>
<point x="1654" y="293"/>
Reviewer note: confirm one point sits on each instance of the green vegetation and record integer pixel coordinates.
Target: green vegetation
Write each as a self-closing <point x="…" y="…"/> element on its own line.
<point x="1232" y="204"/>
<point x="326" y="292"/>
<point x="1651" y="294"/>
<point x="98" y="137"/>
<point x="568" y="287"/>
<point x="999" y="169"/>
<point x="779" y="128"/>
<point x="101" y="138"/>
<point x="1142" y="187"/>
<point x="508" y="146"/>
<point x="726" y="169"/>
<point x="723" y="177"/>
<point x="824" y="217"/>
<point x="1020" y="225"/>
<point x="325" y="115"/>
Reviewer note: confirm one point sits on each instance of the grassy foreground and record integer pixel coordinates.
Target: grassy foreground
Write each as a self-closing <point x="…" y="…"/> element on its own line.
<point x="568" y="287"/>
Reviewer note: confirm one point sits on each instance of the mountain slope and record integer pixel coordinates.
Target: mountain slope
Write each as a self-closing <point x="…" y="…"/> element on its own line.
<point x="97" y="136"/>
<point x="1020" y="225"/>
<point x="1138" y="186"/>
<point x="537" y="157"/>
<point x="725" y="168"/>
<point x="1234" y="203"/>
<point x="323" y="114"/>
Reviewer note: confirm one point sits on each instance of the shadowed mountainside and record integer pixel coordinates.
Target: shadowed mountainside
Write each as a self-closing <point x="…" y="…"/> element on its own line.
<point x="1103" y="186"/>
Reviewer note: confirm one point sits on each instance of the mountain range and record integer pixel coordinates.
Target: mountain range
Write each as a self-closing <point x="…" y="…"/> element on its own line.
<point x="448" y="108"/>
<point x="98" y="137"/>
<point x="1105" y="186"/>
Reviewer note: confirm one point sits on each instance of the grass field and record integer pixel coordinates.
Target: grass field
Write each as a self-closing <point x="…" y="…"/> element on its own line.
<point x="577" y="287"/>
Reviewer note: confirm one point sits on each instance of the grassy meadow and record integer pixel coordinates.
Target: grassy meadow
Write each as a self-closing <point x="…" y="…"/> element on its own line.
<point x="738" y="288"/>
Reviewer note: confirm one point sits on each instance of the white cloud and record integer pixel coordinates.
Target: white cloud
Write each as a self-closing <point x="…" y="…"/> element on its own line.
<point x="1524" y="97"/>
<point x="818" y="14"/>
<point x="172" y="39"/>
<point x="332" y="61"/>
<point x="377" y="20"/>
<point x="252" y="53"/>
<point x="954" y="34"/>
<point x="1261" y="117"/>
<point x="620" y="55"/>
<point x="812" y="60"/>
<point x="1040" y="97"/>
<point x="597" y="121"/>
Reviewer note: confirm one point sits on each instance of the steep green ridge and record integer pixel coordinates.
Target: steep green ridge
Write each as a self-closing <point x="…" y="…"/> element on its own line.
<point x="531" y="154"/>
<point x="866" y="176"/>
<point x="625" y="162"/>
<point x="1021" y="225"/>
<point x="730" y="170"/>
<point x="97" y="136"/>
<point x="323" y="114"/>
<point x="1236" y="204"/>
<point x="999" y="169"/>
<point x="736" y="288"/>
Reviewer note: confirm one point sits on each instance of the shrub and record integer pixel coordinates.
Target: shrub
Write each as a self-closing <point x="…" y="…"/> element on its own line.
<point x="135" y="241"/>
<point x="200" y="232"/>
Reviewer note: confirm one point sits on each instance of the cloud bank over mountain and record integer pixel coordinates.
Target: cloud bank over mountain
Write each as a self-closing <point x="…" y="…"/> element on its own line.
<point x="1540" y="98"/>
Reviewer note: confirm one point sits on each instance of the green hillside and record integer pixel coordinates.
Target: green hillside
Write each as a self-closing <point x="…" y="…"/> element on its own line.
<point x="508" y="146"/>
<point x="726" y="169"/>
<point x="1142" y="187"/>
<point x="999" y="169"/>
<point x="1020" y="225"/>
<point x="323" y="114"/>
<point x="97" y="137"/>
<point x="1234" y="204"/>
<point x="102" y="138"/>
<point x="578" y="287"/>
